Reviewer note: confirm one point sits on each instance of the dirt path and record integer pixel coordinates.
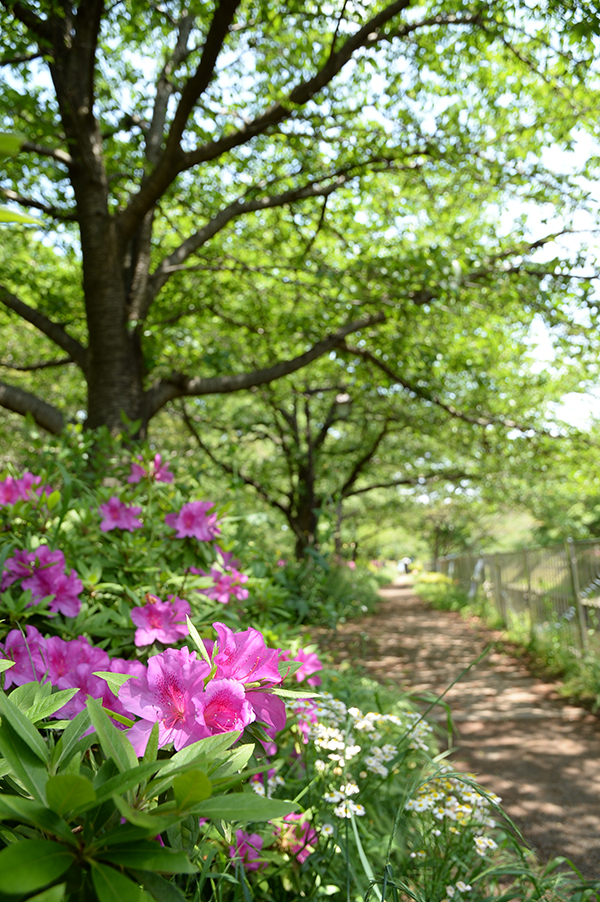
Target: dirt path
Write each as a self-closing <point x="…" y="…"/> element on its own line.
<point x="540" y="754"/>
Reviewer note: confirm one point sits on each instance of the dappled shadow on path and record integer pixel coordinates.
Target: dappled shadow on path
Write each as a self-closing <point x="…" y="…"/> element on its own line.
<point x="540" y="754"/>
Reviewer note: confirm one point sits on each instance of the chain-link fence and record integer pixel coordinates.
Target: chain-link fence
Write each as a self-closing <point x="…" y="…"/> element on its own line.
<point x="557" y="587"/>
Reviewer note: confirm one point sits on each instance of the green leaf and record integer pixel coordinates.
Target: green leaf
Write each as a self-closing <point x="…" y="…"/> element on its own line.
<point x="30" y="865"/>
<point x="68" y="792"/>
<point x="159" y="888"/>
<point x="149" y="856"/>
<point x="114" y="744"/>
<point x="245" y="807"/>
<point x="293" y="693"/>
<point x="203" y="751"/>
<point x="191" y="788"/>
<point x="52" y="500"/>
<point x="4" y="665"/>
<point x="126" y="721"/>
<point x="10" y="144"/>
<point x="24" y="763"/>
<point x="27" y="695"/>
<point x="54" y="894"/>
<point x="7" y="215"/>
<point x="26" y="810"/>
<point x="45" y="707"/>
<point x="126" y="780"/>
<point x="24" y="727"/>
<point x="125" y="833"/>
<point x="111" y="886"/>
<point x="68" y="743"/>
<point x="196" y="639"/>
<point x="236" y="761"/>
<point x="152" y="744"/>
<point x="114" y="680"/>
<point x="183" y="835"/>
<point x="287" y="668"/>
<point x="141" y="818"/>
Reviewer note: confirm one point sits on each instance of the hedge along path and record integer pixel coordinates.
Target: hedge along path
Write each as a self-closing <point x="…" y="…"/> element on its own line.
<point x="536" y="751"/>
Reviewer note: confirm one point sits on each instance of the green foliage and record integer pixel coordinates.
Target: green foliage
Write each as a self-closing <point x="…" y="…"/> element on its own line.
<point x="92" y="825"/>
<point x="82" y="817"/>
<point x="445" y="594"/>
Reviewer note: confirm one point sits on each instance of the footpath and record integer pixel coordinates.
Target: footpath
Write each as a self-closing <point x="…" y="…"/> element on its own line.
<point x="540" y="754"/>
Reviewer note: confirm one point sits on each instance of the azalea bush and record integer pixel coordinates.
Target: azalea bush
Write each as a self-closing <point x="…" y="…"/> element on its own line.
<point x="167" y="733"/>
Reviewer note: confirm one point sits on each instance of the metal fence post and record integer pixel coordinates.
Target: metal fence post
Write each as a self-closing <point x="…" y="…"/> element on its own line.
<point x="581" y="617"/>
<point x="500" y="606"/>
<point x="528" y="596"/>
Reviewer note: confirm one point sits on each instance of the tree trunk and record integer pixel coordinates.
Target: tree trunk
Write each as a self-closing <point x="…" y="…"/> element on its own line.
<point x="115" y="366"/>
<point x="305" y="515"/>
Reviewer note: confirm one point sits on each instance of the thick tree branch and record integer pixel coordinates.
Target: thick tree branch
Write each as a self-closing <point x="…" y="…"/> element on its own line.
<point x="60" y="156"/>
<point x="363" y="461"/>
<point x="202" y="77"/>
<point x="173" y="262"/>
<point x="51" y="330"/>
<point x="424" y="395"/>
<point x="141" y="249"/>
<point x="38" y="205"/>
<point x="421" y="479"/>
<point x="41" y="27"/>
<point x="19" y="58"/>
<point x="32" y="367"/>
<point x="179" y="385"/>
<point x="175" y="160"/>
<point x="23" y="402"/>
<point x="330" y="419"/>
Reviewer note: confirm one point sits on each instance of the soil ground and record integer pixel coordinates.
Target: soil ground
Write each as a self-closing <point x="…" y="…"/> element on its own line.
<point x="538" y="752"/>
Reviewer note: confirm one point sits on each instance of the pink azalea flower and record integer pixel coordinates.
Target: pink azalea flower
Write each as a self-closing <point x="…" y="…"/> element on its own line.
<point x="42" y="572"/>
<point x="225" y="584"/>
<point x="61" y="656"/>
<point x="81" y="676"/>
<point x="17" y="567"/>
<point x="269" y="710"/>
<point x="156" y="470"/>
<point x="297" y="837"/>
<point x="247" y="849"/>
<point x="194" y="521"/>
<point x="166" y="694"/>
<point x="118" y="515"/>
<point x="244" y="656"/>
<point x="310" y="664"/>
<point x="160" y="621"/>
<point x="13" y="490"/>
<point x="120" y="665"/>
<point x="281" y="563"/>
<point x="351" y="565"/>
<point x="26" y="651"/>
<point x="48" y="580"/>
<point x="223" y="707"/>
<point x="138" y="472"/>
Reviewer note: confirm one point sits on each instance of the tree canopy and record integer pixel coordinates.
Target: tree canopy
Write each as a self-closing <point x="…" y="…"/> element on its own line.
<point x="230" y="191"/>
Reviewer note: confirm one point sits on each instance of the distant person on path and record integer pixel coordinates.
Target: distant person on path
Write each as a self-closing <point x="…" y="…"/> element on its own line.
<point x="404" y="564"/>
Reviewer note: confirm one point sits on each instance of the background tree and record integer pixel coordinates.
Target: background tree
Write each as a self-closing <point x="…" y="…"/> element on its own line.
<point x="305" y="452"/>
<point x="313" y="450"/>
<point x="187" y="198"/>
